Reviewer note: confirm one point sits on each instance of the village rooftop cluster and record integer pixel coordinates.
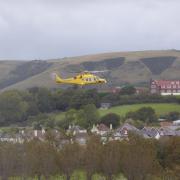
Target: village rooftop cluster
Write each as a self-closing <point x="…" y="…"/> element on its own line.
<point x="77" y="134"/>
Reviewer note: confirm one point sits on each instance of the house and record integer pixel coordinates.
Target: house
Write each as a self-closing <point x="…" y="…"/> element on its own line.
<point x="164" y="131"/>
<point x="166" y="123"/>
<point x="105" y="105"/>
<point x="13" y="138"/>
<point x="81" y="138"/>
<point x="140" y="90"/>
<point x="100" y="129"/>
<point x="151" y="132"/>
<point x="79" y="134"/>
<point x="75" y="130"/>
<point x="157" y="133"/>
<point x="165" y="87"/>
<point x="178" y="133"/>
<point x="123" y="131"/>
<point x="176" y="123"/>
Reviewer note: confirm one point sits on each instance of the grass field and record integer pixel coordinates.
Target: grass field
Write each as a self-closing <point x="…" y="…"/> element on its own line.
<point x="161" y="109"/>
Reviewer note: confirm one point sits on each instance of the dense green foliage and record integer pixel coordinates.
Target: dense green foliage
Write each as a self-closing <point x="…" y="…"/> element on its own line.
<point x="23" y="106"/>
<point x="145" y="114"/>
<point x="85" y="117"/>
<point x="128" y="90"/>
<point x="12" y="107"/>
<point x="173" y="115"/>
<point x="111" y="119"/>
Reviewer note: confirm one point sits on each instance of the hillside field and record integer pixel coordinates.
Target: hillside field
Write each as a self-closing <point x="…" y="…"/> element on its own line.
<point x="136" y="68"/>
<point x="161" y="108"/>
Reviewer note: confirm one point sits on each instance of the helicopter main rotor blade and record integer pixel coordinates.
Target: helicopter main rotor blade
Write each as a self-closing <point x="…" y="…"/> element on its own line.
<point x="98" y="71"/>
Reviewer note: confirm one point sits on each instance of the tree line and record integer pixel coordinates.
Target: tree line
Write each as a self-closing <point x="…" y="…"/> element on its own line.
<point x="135" y="159"/>
<point x="17" y="106"/>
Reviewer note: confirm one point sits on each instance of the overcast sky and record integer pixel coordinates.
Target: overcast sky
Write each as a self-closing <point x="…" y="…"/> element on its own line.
<point x="43" y="29"/>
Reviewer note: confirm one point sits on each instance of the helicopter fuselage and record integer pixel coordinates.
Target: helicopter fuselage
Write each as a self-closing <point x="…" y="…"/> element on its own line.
<point x="82" y="79"/>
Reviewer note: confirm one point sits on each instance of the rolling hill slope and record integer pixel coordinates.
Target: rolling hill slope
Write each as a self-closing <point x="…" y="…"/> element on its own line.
<point x="124" y="67"/>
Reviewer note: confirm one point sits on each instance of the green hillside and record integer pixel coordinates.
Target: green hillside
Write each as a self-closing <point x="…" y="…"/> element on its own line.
<point x="123" y="67"/>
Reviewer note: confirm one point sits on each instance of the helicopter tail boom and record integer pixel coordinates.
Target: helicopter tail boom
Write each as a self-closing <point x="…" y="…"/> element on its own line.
<point x="57" y="78"/>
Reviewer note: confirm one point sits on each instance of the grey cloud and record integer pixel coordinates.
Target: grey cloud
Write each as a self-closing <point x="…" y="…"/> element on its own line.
<point x="36" y="29"/>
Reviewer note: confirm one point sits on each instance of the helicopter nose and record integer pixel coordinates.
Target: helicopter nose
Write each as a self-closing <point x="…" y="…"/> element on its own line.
<point x="104" y="81"/>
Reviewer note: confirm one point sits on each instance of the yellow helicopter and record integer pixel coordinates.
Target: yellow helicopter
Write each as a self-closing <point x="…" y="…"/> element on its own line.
<point x="84" y="78"/>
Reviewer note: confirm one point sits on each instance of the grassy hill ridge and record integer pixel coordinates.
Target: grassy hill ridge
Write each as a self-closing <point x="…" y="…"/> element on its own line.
<point x="124" y="67"/>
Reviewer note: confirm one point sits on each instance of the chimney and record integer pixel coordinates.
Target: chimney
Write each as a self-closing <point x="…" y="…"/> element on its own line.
<point x="35" y="133"/>
<point x="43" y="131"/>
<point x="111" y="127"/>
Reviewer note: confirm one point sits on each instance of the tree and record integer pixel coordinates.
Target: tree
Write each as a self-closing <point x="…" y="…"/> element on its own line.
<point x="110" y="162"/>
<point x="81" y="119"/>
<point x="40" y="159"/>
<point x="62" y="99"/>
<point x="9" y="160"/>
<point x="92" y="156"/>
<point x="110" y="118"/>
<point x="13" y="108"/>
<point x="112" y="98"/>
<point x="69" y="159"/>
<point x="30" y="99"/>
<point x="174" y="115"/>
<point x="80" y="99"/>
<point x="145" y="114"/>
<point x="128" y="90"/>
<point x="69" y="119"/>
<point x="42" y="120"/>
<point x="91" y="115"/>
<point x="168" y="154"/>
<point x="138" y="158"/>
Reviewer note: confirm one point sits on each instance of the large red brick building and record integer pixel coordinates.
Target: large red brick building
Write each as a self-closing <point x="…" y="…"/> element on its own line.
<point x="165" y="87"/>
